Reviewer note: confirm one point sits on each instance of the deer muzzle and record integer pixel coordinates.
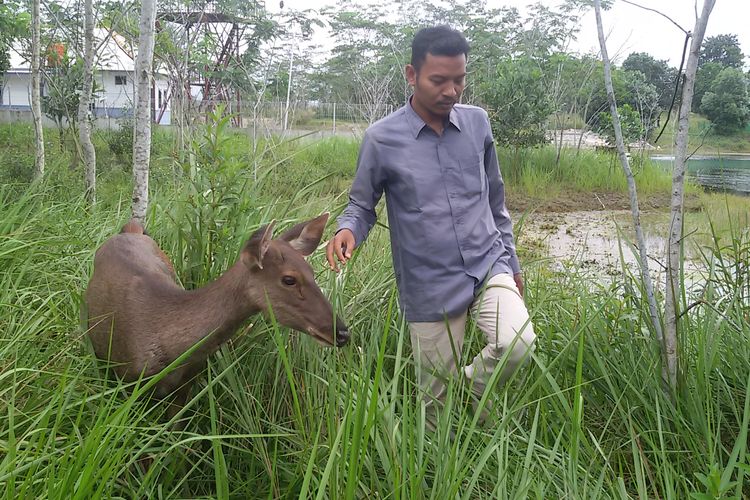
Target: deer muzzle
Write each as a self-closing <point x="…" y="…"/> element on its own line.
<point x="342" y="335"/>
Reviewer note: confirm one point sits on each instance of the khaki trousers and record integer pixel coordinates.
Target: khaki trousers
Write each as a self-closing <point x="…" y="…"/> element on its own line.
<point x="501" y="315"/>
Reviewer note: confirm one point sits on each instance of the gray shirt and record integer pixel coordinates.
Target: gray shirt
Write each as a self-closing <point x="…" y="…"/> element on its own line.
<point x="450" y="229"/>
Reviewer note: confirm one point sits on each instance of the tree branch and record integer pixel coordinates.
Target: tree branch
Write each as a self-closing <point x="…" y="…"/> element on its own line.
<point x="660" y="13"/>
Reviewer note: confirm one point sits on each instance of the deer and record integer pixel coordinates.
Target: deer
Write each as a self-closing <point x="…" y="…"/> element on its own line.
<point x="140" y="319"/>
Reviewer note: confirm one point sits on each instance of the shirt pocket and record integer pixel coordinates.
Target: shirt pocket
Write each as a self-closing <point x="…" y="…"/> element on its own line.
<point x="472" y="172"/>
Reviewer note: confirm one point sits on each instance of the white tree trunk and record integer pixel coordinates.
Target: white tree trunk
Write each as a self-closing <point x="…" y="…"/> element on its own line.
<point x="88" y="153"/>
<point x="142" y="132"/>
<point x="674" y="280"/>
<point x="36" y="98"/>
<point x="646" y="276"/>
<point x="288" y="89"/>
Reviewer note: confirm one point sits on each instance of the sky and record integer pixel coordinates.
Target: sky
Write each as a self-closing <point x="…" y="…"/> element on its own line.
<point x="628" y="28"/>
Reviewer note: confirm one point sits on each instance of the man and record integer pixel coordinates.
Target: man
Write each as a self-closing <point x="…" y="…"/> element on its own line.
<point x="451" y="235"/>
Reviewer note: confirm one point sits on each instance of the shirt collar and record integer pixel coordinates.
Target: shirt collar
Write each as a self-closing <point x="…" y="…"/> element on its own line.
<point x="416" y="123"/>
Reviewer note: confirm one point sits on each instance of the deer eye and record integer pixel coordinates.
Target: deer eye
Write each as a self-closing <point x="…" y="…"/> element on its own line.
<point x="289" y="280"/>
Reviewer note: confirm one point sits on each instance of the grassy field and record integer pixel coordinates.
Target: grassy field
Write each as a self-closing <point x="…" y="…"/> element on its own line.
<point x="276" y="416"/>
<point x="703" y="140"/>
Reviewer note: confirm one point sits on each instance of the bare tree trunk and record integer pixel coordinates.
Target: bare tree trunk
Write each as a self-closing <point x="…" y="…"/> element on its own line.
<point x="289" y="89"/>
<point x="36" y="98"/>
<point x="647" y="284"/>
<point x="674" y="268"/>
<point x="88" y="153"/>
<point x="142" y="133"/>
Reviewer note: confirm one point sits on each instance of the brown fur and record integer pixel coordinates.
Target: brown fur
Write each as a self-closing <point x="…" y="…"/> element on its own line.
<point x="141" y="320"/>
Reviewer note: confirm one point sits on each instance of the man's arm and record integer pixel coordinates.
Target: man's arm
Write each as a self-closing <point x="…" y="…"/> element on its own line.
<point x="497" y="204"/>
<point x="359" y="217"/>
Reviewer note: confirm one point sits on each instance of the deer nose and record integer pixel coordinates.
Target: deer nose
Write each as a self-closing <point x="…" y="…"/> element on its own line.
<point x="342" y="337"/>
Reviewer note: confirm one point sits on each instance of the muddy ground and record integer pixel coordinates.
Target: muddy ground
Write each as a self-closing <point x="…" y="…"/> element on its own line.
<point x="592" y="233"/>
<point x="572" y="201"/>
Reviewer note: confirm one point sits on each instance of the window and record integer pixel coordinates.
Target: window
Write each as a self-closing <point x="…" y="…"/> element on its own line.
<point x="121" y="80"/>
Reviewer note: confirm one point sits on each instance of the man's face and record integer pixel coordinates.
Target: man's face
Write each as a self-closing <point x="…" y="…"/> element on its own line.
<point x="438" y="84"/>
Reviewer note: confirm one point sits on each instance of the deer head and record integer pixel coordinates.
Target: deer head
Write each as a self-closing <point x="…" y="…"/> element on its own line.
<point x="281" y="278"/>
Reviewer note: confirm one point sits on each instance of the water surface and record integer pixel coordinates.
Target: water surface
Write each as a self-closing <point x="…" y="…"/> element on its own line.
<point x="729" y="173"/>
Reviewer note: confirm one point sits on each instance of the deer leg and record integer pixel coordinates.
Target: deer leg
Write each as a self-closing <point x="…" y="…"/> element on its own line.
<point x="175" y="390"/>
<point x="176" y="403"/>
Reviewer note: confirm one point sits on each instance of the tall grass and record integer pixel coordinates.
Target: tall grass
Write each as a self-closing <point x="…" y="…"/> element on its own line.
<point x="276" y="416"/>
<point x="535" y="171"/>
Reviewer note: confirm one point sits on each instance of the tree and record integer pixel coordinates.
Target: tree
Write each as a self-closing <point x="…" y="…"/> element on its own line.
<point x="599" y="102"/>
<point x="88" y="153"/>
<point x="704" y="81"/>
<point x="672" y="311"/>
<point x="142" y="128"/>
<point x="518" y="103"/>
<point x="217" y="54"/>
<point x="632" y="128"/>
<point x="369" y="49"/>
<point x="727" y="104"/>
<point x="718" y="52"/>
<point x="13" y="22"/>
<point x="643" y="256"/>
<point x="570" y="91"/>
<point x="655" y="72"/>
<point x="724" y="50"/>
<point x="36" y="101"/>
<point x="64" y="82"/>
<point x="644" y="101"/>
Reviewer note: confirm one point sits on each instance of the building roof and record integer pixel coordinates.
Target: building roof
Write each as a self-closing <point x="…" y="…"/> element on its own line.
<point x="116" y="53"/>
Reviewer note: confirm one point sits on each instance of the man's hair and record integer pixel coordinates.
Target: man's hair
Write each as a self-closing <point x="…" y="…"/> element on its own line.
<point x="438" y="41"/>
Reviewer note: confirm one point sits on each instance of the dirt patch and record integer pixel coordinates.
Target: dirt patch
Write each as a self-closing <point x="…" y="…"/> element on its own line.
<point x="573" y="201"/>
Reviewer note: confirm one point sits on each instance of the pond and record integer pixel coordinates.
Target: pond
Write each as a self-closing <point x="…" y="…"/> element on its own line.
<point x="729" y="173"/>
<point x="598" y="243"/>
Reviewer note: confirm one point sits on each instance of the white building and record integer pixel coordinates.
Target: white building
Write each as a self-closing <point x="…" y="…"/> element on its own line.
<point x="114" y="71"/>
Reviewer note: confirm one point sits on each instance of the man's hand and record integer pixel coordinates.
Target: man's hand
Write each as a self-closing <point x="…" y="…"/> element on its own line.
<point x="340" y="246"/>
<point x="518" y="278"/>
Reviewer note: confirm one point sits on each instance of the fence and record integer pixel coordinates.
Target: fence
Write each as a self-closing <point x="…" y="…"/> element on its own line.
<point x="268" y="116"/>
<point x="276" y="116"/>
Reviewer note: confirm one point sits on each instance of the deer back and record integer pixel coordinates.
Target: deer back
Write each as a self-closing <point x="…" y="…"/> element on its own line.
<point x="141" y="320"/>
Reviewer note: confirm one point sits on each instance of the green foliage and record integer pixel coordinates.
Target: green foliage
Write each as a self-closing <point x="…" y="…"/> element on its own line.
<point x="657" y="73"/>
<point x="276" y="416"/>
<point x="16" y="153"/>
<point x="369" y="49"/>
<point x="14" y="21"/>
<point x="704" y="82"/>
<point x="724" y="50"/>
<point x="63" y="94"/>
<point x="703" y="138"/>
<point x="727" y="105"/>
<point x="630" y="123"/>
<point x="120" y="140"/>
<point x="518" y="103"/>
<point x="539" y="173"/>
<point x="212" y="200"/>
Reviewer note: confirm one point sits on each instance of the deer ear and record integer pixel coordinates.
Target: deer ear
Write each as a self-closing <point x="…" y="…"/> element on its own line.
<point x="305" y="236"/>
<point x="256" y="247"/>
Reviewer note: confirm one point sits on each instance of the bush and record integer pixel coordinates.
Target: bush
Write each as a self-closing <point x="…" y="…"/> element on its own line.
<point x="120" y="140"/>
<point x="303" y="117"/>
